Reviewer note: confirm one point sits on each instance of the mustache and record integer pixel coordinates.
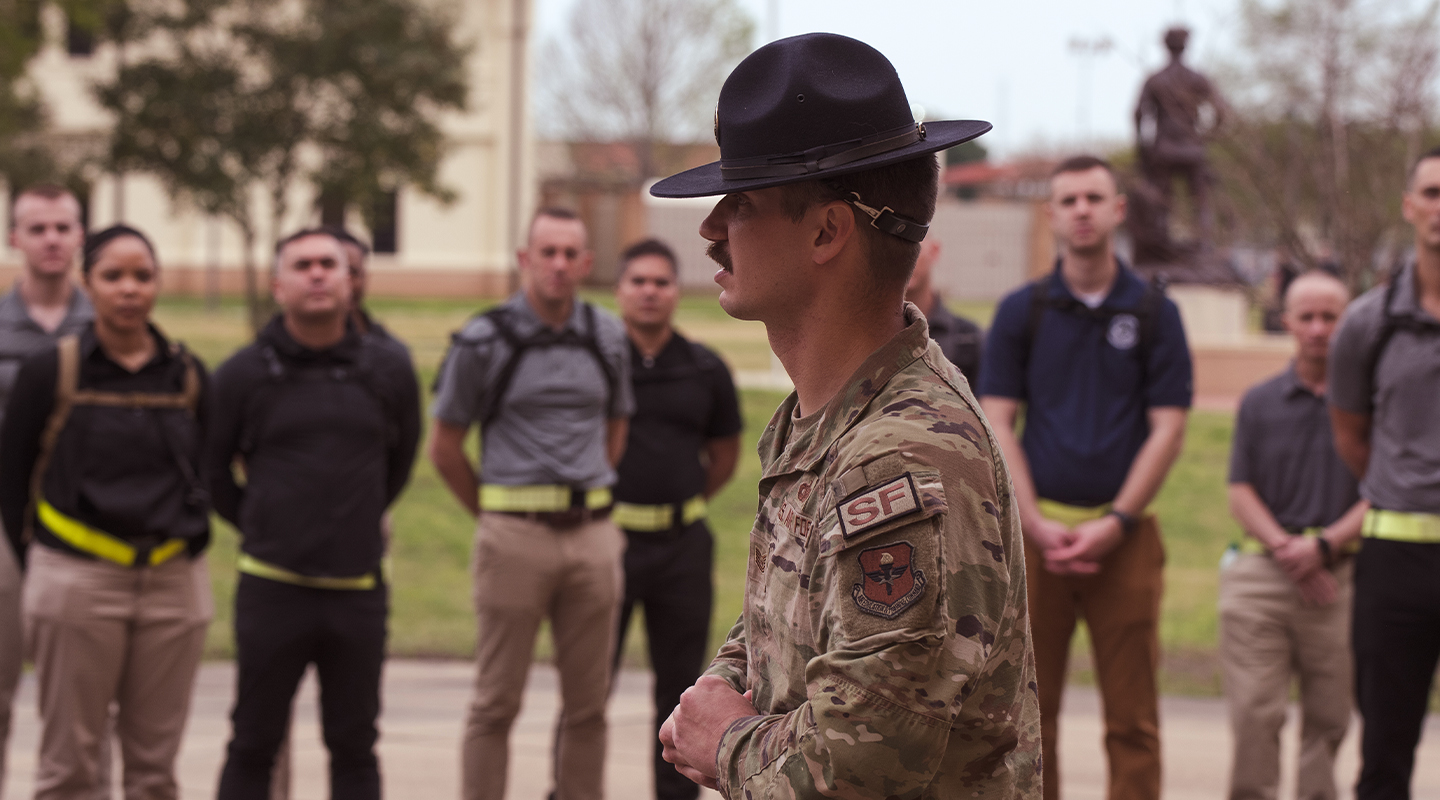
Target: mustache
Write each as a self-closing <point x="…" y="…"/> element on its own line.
<point x="719" y="252"/>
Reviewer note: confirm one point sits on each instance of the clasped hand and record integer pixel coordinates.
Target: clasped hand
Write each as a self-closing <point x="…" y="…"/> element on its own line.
<point x="691" y="736"/>
<point x="1077" y="550"/>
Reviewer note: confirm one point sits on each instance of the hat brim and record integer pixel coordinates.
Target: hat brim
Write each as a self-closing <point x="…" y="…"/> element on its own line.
<point x="707" y="180"/>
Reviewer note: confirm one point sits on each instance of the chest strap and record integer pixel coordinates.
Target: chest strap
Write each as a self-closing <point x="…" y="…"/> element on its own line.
<point x="498" y="497"/>
<point x="102" y="545"/>
<point x="1402" y="526"/>
<point x="653" y="519"/>
<point x="251" y="565"/>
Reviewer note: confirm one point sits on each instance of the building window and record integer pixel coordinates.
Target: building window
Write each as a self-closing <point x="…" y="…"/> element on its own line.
<point x="79" y="39"/>
<point x="383" y="238"/>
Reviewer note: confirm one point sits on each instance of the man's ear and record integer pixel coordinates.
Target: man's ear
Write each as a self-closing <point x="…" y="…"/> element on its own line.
<point x="1122" y="207"/>
<point x="835" y="229"/>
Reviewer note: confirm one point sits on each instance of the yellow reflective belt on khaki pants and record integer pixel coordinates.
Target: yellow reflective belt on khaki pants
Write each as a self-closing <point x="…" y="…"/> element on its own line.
<point x="100" y="544"/>
<point x="1070" y="515"/>
<point x="539" y="499"/>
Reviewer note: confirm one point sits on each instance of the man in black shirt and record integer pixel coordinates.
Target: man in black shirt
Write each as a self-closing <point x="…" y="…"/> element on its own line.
<point x="683" y="443"/>
<point x="958" y="337"/>
<point x="325" y="423"/>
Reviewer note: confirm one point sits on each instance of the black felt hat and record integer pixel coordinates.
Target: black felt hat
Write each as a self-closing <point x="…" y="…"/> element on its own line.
<point x="813" y="106"/>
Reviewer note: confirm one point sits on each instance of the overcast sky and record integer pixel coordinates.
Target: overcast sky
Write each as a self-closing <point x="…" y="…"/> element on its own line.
<point x="1009" y="62"/>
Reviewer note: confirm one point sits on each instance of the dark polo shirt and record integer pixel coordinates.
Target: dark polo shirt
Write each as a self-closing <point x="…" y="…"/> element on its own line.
<point x="959" y="338"/>
<point x="21" y="337"/>
<point x="1284" y="450"/>
<point x="1086" y="393"/>
<point x="683" y="398"/>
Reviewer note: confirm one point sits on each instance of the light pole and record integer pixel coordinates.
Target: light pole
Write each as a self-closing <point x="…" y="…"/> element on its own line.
<point x="1087" y="50"/>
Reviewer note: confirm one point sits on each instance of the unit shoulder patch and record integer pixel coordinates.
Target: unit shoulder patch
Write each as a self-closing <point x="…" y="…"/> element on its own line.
<point x="889" y="582"/>
<point x="877" y="505"/>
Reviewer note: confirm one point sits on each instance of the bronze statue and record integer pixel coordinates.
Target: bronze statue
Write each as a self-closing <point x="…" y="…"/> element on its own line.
<point x="1170" y="129"/>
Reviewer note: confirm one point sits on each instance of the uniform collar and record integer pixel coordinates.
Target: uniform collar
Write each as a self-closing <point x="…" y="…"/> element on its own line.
<point x="1122" y="292"/>
<point x="1297" y="386"/>
<point x="529" y="322"/>
<point x="14" y="311"/>
<point x="780" y="452"/>
<point x="1405" y="304"/>
<point x="276" y="335"/>
<point x="90" y="346"/>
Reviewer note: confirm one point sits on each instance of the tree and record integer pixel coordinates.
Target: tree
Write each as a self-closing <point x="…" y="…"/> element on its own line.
<point x="1332" y="99"/>
<point x="645" y="72"/>
<point x="23" y="158"/>
<point x="239" y="97"/>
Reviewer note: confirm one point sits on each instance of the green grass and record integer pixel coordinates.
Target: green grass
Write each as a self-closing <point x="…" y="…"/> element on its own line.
<point x="431" y="613"/>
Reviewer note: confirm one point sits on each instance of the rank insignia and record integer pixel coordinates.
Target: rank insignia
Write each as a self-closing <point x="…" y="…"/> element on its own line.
<point x="889" y="582"/>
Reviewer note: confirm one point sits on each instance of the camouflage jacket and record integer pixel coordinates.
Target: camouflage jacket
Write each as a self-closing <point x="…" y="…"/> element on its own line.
<point x="884" y="633"/>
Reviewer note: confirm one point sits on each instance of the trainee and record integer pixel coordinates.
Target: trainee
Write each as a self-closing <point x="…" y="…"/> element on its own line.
<point x="883" y="648"/>
<point x="1099" y="362"/>
<point x="547" y="378"/>
<point x="959" y="338"/>
<point x="99" y="457"/>
<point x="683" y="445"/>
<point x="44" y="305"/>
<point x="1285" y="599"/>
<point x="1384" y="378"/>
<point x="325" y="423"/>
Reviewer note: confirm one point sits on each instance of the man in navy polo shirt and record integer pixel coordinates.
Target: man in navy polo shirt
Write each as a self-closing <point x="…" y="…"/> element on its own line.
<point x="1100" y="364"/>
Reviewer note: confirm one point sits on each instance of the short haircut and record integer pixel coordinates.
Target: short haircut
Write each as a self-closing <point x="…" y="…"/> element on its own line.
<point x="1433" y="152"/>
<point x="1319" y="274"/>
<point x="910" y="188"/>
<point x="649" y="247"/>
<point x="1085" y="163"/>
<point x="305" y="233"/>
<point x="96" y="243"/>
<point x="346" y="237"/>
<point x="46" y="191"/>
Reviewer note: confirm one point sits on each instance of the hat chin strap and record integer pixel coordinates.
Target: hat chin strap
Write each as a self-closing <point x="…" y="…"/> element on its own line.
<point x="888" y="221"/>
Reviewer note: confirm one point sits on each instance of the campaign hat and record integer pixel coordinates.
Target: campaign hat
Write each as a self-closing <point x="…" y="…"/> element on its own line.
<point x="814" y="106"/>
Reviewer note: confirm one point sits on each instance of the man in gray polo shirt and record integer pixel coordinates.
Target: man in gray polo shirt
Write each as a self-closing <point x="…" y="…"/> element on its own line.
<point x="45" y="228"/>
<point x="547" y="378"/>
<point x="1384" y="381"/>
<point x="1285" y="597"/>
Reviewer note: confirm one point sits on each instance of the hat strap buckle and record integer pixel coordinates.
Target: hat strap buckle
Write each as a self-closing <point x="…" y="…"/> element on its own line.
<point x="885" y="219"/>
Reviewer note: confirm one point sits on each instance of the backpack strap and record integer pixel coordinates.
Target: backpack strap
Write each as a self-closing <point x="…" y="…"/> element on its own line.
<point x="592" y="343"/>
<point x="500" y="318"/>
<point x="67" y="377"/>
<point x="1389" y="323"/>
<point x="1148" y="316"/>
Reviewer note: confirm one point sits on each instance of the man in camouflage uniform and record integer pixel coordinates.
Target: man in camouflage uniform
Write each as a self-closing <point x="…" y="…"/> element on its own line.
<point x="883" y="650"/>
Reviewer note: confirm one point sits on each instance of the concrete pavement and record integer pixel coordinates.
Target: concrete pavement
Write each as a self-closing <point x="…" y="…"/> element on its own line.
<point x="425" y="705"/>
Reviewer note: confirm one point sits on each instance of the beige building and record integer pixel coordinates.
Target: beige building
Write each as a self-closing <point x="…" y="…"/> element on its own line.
<point x="433" y="249"/>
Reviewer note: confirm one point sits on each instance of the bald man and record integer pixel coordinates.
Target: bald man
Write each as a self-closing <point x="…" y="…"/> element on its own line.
<point x="1285" y="589"/>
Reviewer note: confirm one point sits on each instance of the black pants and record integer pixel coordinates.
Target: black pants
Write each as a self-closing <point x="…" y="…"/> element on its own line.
<point x="669" y="574"/>
<point x="280" y="630"/>
<point x="1397" y="645"/>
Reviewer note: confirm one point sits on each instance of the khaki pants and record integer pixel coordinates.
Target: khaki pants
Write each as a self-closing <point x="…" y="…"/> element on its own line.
<point x="526" y="571"/>
<point x="1121" y="608"/>
<point x="11" y="645"/>
<point x="1266" y="636"/>
<point x="101" y="633"/>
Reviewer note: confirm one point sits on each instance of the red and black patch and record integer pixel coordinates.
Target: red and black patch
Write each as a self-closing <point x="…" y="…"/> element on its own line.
<point x="889" y="582"/>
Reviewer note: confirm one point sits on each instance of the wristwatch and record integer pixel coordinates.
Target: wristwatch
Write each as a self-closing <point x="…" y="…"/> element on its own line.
<point x="1128" y="523"/>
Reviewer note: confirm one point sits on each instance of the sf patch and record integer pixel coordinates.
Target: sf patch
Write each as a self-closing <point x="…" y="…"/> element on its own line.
<point x="876" y="506"/>
<point x="889" y="582"/>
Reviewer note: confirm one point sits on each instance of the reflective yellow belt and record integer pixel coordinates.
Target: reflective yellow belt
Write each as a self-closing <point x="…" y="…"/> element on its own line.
<point x="496" y="497"/>
<point x="1251" y="546"/>
<point x="1071" y="515"/>
<point x="100" y="544"/>
<point x="253" y="566"/>
<point x="1402" y="526"/>
<point x="650" y="519"/>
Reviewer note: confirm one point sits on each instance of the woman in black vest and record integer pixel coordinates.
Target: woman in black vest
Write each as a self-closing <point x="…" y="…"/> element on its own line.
<point x="97" y="481"/>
